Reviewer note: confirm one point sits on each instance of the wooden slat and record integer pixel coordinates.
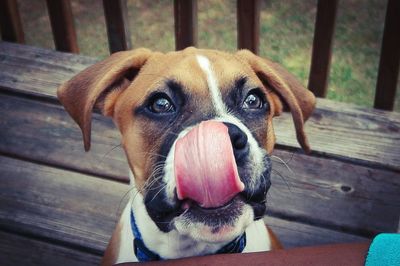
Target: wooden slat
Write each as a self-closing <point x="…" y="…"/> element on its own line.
<point x="115" y="12"/>
<point x="322" y="47"/>
<point x="80" y="211"/>
<point x="350" y="133"/>
<point x="19" y="250"/>
<point x="51" y="137"/>
<point x="365" y="197"/>
<point x="10" y="22"/>
<point x="59" y="206"/>
<point x="185" y="13"/>
<point x="356" y="134"/>
<point x="62" y="25"/>
<point x="390" y="59"/>
<point x="248" y="24"/>
<point x="334" y="194"/>
<point x="37" y="72"/>
<point x="284" y="230"/>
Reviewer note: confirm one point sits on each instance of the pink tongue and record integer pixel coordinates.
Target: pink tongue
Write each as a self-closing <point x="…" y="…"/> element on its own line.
<point x="205" y="167"/>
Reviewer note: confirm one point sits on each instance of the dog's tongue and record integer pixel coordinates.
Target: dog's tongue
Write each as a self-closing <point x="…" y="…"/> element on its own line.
<point x="205" y="167"/>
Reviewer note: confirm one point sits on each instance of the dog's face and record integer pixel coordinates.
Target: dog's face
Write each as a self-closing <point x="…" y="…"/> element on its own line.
<point x="196" y="127"/>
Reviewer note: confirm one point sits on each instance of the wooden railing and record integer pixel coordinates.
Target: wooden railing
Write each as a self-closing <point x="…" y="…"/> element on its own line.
<point x="248" y="17"/>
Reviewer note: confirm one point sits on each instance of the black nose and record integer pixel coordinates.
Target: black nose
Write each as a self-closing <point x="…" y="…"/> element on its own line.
<point x="239" y="142"/>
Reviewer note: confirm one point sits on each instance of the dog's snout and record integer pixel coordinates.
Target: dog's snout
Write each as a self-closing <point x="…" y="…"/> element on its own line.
<point x="239" y="141"/>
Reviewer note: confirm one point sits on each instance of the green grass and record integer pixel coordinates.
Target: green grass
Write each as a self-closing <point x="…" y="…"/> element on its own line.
<point x="286" y="35"/>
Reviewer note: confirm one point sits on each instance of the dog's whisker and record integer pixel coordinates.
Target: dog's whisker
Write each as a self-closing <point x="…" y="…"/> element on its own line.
<point x="283" y="179"/>
<point x="121" y="200"/>
<point x="161" y="189"/>
<point x="283" y="162"/>
<point x="108" y="152"/>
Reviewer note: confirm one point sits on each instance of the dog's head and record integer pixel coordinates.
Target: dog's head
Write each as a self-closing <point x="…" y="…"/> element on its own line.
<point x="196" y="127"/>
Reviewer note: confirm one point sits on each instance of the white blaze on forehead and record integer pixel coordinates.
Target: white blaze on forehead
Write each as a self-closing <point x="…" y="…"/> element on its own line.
<point x="212" y="83"/>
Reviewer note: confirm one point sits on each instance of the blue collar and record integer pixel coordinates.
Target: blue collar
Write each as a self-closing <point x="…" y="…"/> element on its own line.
<point x="144" y="254"/>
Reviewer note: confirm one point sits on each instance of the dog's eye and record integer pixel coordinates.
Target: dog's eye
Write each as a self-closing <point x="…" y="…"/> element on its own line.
<point x="161" y="104"/>
<point x="253" y="101"/>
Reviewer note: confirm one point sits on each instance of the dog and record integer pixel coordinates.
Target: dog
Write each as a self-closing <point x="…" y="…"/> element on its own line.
<point x="196" y="127"/>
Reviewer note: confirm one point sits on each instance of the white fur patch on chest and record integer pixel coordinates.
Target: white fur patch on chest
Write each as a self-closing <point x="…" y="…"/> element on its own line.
<point x="212" y="83"/>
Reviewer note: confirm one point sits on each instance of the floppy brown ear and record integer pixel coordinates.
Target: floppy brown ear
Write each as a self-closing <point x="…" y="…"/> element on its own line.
<point x="80" y="94"/>
<point x="298" y="99"/>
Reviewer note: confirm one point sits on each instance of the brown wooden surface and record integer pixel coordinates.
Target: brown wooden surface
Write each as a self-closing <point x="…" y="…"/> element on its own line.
<point x="116" y="14"/>
<point x="10" y="22"/>
<point x="248" y="24"/>
<point x="62" y="25"/>
<point x="20" y="250"/>
<point x="322" y="47"/>
<point x="185" y="13"/>
<point x="390" y="59"/>
<point x="80" y="212"/>
<point x="50" y="137"/>
<point x="60" y="206"/>
<point x="355" y="134"/>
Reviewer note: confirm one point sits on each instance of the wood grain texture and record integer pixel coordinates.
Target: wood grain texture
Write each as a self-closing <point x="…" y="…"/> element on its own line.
<point x="334" y="194"/>
<point x="45" y="134"/>
<point x="248" y="24"/>
<point x="116" y="14"/>
<point x="50" y="137"/>
<point x="62" y="25"/>
<point x="10" y="22"/>
<point x="35" y="71"/>
<point x="309" y="237"/>
<point x="336" y="130"/>
<point x="19" y="250"/>
<point x="185" y="18"/>
<point x="322" y="47"/>
<point x="346" y="132"/>
<point x="389" y="63"/>
<point x="80" y="211"/>
<point x="58" y="206"/>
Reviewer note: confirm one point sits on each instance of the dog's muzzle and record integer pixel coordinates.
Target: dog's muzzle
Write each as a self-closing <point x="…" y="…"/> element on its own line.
<point x="213" y="172"/>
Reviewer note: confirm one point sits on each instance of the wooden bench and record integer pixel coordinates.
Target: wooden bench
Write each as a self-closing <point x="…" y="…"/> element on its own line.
<point x="59" y="205"/>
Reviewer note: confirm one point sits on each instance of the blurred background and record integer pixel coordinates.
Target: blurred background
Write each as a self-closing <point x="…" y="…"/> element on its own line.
<point x="286" y="35"/>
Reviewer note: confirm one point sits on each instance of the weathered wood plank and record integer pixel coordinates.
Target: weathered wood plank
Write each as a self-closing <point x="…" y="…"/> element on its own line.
<point x="115" y="12"/>
<point x="322" y="47"/>
<point x="35" y="71"/>
<point x="334" y="194"/>
<point x="19" y="250"/>
<point x="285" y="231"/>
<point x="62" y="25"/>
<point x="337" y="130"/>
<point x="81" y="211"/>
<point x="50" y="137"/>
<point x="351" y="133"/>
<point x="58" y="205"/>
<point x="185" y="17"/>
<point x="389" y="63"/>
<point x="248" y="24"/>
<point x="10" y="22"/>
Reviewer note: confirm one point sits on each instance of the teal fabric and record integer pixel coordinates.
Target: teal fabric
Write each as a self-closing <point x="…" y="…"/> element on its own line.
<point x="384" y="250"/>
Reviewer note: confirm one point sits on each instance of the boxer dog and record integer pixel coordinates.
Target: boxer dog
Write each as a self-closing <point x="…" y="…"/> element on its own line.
<point x="196" y="127"/>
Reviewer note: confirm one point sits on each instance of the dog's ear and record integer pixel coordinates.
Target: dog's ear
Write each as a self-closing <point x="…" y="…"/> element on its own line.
<point x="91" y="87"/>
<point x="299" y="100"/>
